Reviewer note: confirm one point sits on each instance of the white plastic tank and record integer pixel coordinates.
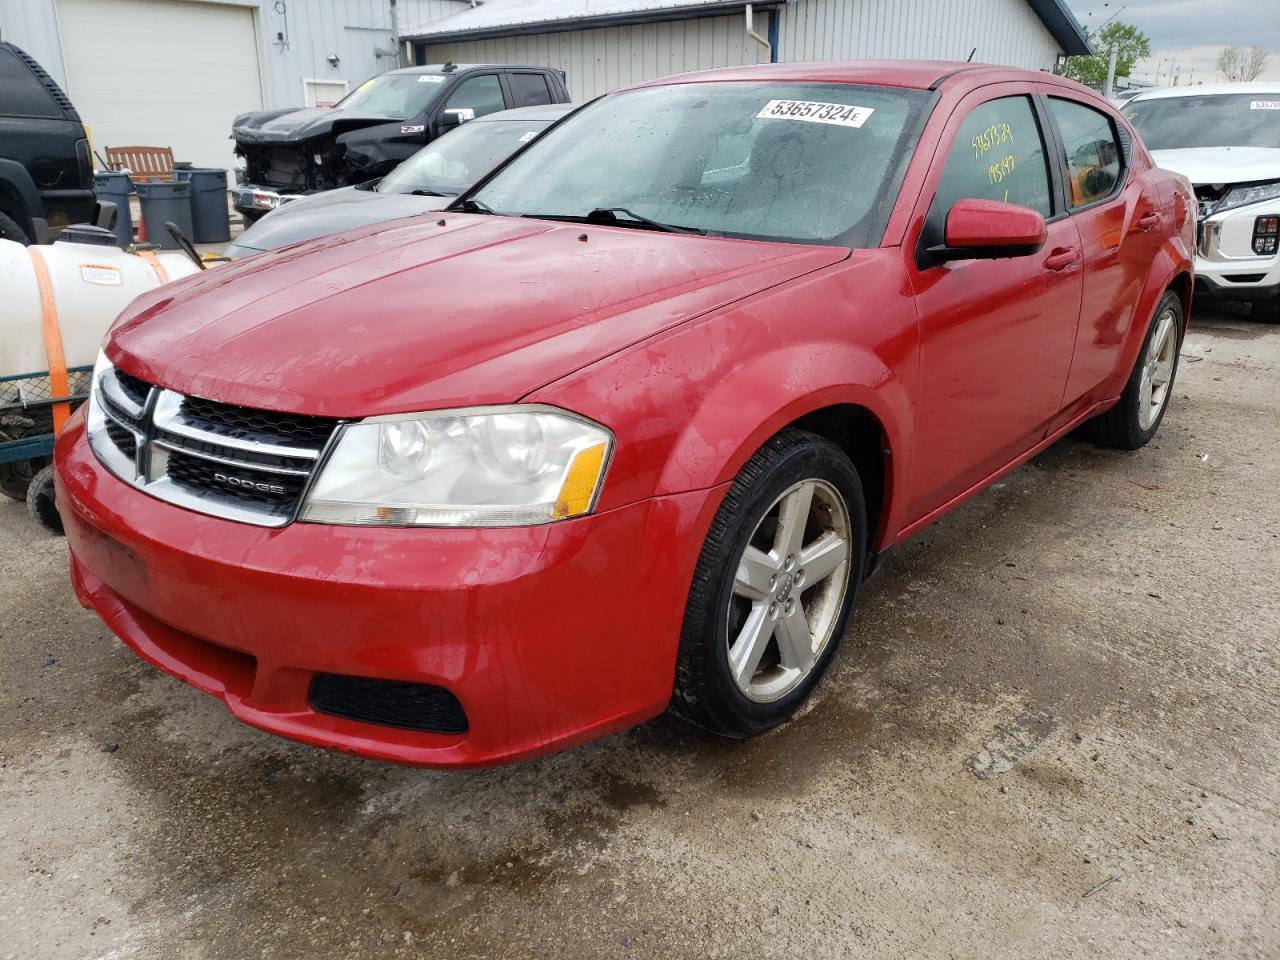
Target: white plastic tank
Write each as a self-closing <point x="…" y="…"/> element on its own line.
<point x="89" y="284"/>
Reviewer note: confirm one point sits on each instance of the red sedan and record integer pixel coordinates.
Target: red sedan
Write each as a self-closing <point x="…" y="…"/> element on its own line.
<point x="625" y="427"/>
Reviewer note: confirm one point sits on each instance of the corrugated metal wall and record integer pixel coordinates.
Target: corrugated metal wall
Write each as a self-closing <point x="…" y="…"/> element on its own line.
<point x="315" y="29"/>
<point x="603" y="59"/>
<point x="1004" y="31"/>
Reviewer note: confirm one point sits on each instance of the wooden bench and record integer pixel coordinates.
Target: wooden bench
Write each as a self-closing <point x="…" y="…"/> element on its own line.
<point x="142" y="163"/>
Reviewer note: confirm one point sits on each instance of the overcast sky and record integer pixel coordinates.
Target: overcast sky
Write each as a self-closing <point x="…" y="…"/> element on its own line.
<point x="1189" y="33"/>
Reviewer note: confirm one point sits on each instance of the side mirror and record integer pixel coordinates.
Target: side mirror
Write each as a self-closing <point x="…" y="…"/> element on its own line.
<point x="989" y="229"/>
<point x="455" y="117"/>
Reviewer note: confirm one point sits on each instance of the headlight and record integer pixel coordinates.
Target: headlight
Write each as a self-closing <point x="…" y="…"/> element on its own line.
<point x="1243" y="196"/>
<point x="100" y="366"/>
<point x="481" y="467"/>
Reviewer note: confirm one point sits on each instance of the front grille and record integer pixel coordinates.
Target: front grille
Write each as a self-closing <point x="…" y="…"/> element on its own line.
<point x="245" y="423"/>
<point x="235" y="462"/>
<point x="388" y="703"/>
<point x="1244" y="277"/>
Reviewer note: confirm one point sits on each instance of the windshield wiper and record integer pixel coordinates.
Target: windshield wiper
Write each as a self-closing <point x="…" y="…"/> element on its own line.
<point x="610" y="216"/>
<point x="429" y="193"/>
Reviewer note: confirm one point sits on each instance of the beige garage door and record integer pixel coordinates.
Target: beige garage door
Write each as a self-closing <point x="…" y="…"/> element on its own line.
<point x="161" y="73"/>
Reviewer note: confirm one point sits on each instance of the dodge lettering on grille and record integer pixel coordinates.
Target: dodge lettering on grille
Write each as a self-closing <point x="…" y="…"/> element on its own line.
<point x="249" y="484"/>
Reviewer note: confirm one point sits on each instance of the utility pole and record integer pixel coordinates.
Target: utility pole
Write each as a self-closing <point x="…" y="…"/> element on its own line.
<point x="1108" y="88"/>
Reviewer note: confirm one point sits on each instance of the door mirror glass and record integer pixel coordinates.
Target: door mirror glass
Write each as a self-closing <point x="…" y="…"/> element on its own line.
<point x="988" y="229"/>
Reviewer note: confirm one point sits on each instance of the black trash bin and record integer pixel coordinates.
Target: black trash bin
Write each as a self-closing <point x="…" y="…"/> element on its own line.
<point x="116" y="187"/>
<point x="163" y="200"/>
<point x="210" y="220"/>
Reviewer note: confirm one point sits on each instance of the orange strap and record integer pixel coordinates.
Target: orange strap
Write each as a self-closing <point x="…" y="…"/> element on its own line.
<point x="58" y="386"/>
<point x="156" y="265"/>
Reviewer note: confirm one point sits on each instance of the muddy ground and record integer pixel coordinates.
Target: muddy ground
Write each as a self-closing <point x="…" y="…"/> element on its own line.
<point x="1053" y="731"/>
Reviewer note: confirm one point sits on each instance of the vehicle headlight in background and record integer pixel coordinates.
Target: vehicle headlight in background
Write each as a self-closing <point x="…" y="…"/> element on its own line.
<point x="480" y="467"/>
<point x="1242" y="196"/>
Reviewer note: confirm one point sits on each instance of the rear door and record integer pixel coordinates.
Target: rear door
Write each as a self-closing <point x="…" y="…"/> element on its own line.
<point x="1118" y="214"/>
<point x="996" y="335"/>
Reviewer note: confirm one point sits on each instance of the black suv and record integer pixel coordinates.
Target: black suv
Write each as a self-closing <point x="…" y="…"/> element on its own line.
<point x="387" y="119"/>
<point x="46" y="171"/>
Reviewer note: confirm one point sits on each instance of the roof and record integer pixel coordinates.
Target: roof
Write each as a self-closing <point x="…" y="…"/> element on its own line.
<point x="911" y="74"/>
<point x="545" y="111"/>
<point x="463" y="67"/>
<point x="505" y="18"/>
<point x="1271" y="87"/>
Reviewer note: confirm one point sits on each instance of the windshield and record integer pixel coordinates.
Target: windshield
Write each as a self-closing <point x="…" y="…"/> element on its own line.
<point x="1222" y="120"/>
<point x="400" y="95"/>
<point x="779" y="161"/>
<point x="461" y="157"/>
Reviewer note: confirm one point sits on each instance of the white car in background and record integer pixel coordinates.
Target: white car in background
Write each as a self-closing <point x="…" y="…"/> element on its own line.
<point x="1225" y="139"/>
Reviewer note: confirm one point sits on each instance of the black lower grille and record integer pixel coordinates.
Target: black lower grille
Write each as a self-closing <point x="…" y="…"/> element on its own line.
<point x="123" y="439"/>
<point x="388" y="703"/>
<point x="242" y="483"/>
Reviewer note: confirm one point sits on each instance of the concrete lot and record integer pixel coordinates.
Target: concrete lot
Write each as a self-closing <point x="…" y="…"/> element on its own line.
<point x="1110" y="621"/>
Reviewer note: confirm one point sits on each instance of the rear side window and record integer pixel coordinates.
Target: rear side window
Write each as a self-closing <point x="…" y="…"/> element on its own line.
<point x="21" y="94"/>
<point x="529" y="89"/>
<point x="1092" y="152"/>
<point x="998" y="154"/>
<point x="482" y="94"/>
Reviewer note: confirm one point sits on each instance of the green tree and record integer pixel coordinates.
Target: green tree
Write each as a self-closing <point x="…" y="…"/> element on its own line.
<point x="1130" y="43"/>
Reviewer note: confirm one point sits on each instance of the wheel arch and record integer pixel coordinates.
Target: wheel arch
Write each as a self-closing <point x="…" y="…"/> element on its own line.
<point x="844" y="393"/>
<point x="18" y="195"/>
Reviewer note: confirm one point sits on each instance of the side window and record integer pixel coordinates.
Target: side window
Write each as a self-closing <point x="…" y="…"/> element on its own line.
<point x="998" y="154"/>
<point x="1092" y="152"/>
<point x="529" y="89"/>
<point x="21" y="94"/>
<point x="482" y="94"/>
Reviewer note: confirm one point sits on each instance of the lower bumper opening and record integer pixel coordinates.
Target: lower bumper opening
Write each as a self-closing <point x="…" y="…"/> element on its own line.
<point x="388" y="703"/>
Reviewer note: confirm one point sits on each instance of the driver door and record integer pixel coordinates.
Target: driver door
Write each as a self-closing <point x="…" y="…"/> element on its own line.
<point x="996" y="335"/>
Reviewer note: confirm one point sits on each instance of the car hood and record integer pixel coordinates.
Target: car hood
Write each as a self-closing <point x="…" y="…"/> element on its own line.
<point x="1222" y="164"/>
<point x="332" y="211"/>
<point x="304" y="123"/>
<point x="419" y="316"/>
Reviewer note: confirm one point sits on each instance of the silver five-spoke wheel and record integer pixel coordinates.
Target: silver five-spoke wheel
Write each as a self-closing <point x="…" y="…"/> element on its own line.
<point x="788" y="591"/>
<point x="1157" y="370"/>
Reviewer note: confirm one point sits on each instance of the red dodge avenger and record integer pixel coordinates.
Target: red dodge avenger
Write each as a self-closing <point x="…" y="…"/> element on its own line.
<point x="624" y="428"/>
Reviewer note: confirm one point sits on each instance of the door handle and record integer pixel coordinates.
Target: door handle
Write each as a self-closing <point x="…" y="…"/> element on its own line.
<point x="1150" y="221"/>
<point x="1061" y="258"/>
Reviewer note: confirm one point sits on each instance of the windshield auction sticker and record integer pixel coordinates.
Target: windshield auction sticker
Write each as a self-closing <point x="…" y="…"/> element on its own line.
<point x="812" y="111"/>
<point x="1264" y="105"/>
<point x="430" y="78"/>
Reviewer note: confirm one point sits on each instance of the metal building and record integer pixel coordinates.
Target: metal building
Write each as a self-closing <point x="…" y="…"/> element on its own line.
<point x="175" y="72"/>
<point x="604" y="44"/>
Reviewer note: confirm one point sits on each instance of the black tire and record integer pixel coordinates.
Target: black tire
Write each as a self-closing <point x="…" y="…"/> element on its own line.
<point x="705" y="692"/>
<point x="1120" y="427"/>
<point x="40" y="500"/>
<point x="10" y="229"/>
<point x="16" y="476"/>
<point x="1265" y="311"/>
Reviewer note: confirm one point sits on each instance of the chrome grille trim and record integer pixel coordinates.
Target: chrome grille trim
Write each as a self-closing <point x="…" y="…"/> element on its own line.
<point x="160" y="430"/>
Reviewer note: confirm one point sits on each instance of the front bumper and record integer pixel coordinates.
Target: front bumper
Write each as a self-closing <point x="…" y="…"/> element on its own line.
<point x="547" y="636"/>
<point x="1227" y="268"/>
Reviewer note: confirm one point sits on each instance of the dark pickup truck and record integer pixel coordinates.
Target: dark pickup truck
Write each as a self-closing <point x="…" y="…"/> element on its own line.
<point x="388" y="118"/>
<point x="46" y="171"/>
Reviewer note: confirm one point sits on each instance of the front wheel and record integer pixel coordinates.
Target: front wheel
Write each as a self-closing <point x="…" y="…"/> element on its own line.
<point x="1133" y="421"/>
<point x="773" y="588"/>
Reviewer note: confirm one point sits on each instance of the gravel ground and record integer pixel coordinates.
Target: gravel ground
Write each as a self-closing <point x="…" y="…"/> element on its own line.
<point x="1052" y="732"/>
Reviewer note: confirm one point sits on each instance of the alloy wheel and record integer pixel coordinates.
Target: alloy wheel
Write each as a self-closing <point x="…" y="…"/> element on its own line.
<point x="788" y="590"/>
<point x="1157" y="370"/>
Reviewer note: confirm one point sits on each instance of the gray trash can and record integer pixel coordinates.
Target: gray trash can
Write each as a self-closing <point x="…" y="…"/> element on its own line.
<point x="163" y="200"/>
<point x="210" y="220"/>
<point x="116" y="187"/>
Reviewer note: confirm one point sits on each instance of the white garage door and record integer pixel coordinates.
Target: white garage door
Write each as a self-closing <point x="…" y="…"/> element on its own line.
<point x="161" y="73"/>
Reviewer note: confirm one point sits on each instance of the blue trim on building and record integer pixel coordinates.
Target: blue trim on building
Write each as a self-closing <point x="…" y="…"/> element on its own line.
<point x="1064" y="27"/>
<point x="773" y="36"/>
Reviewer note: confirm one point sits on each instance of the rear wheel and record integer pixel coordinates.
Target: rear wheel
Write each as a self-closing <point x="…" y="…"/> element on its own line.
<point x="1133" y="421"/>
<point x="15" y="477"/>
<point x="773" y="587"/>
<point x="40" y="500"/>
<point x="10" y="229"/>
